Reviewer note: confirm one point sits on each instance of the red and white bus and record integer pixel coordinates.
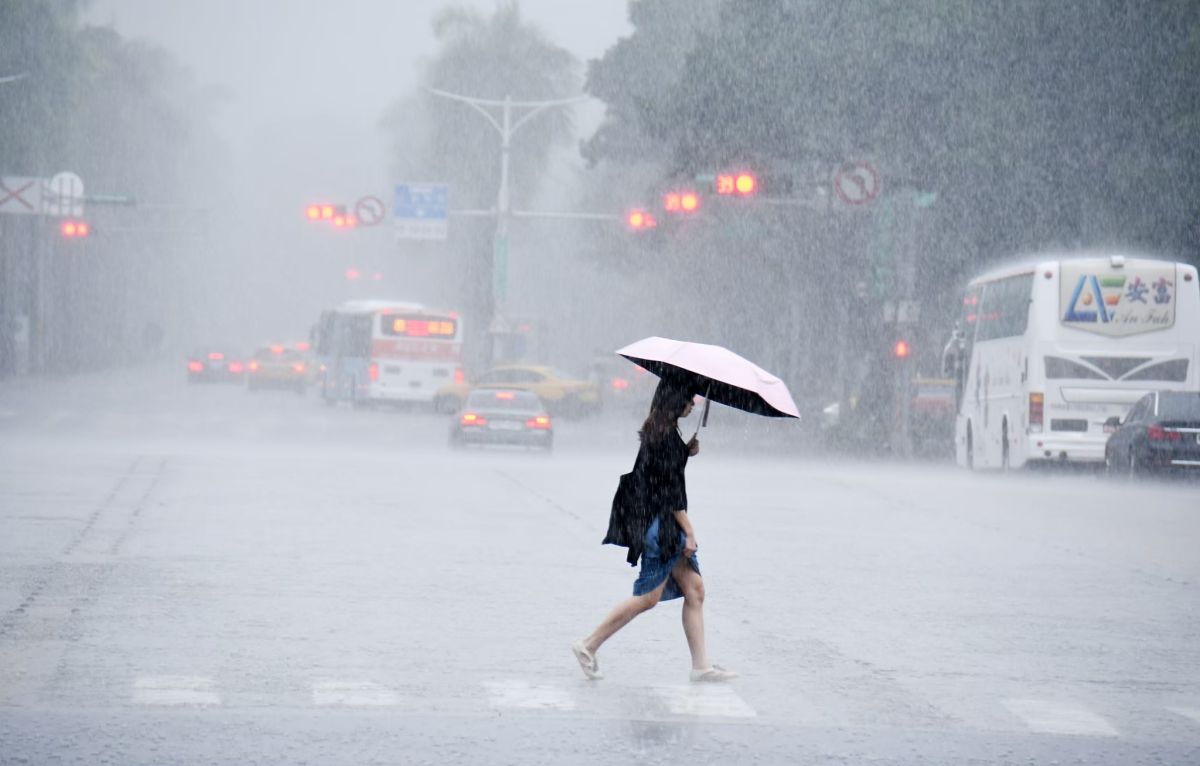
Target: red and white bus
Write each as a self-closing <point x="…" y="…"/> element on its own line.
<point x="387" y="351"/>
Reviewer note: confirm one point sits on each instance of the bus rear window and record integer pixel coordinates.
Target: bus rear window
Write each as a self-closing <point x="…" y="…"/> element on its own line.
<point x="418" y="326"/>
<point x="1004" y="310"/>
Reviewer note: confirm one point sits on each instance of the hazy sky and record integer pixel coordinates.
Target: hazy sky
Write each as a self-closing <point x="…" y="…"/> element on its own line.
<point x="309" y="81"/>
<point x="312" y="75"/>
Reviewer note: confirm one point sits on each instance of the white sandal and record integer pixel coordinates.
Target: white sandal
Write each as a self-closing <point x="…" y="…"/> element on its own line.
<point x="714" y="673"/>
<point x="587" y="661"/>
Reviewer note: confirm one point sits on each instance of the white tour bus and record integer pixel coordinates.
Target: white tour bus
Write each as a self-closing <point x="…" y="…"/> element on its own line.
<point x="1047" y="351"/>
<point x="387" y="351"/>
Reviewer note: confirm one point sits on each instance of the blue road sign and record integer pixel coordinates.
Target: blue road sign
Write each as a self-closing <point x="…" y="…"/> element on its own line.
<point x="421" y="211"/>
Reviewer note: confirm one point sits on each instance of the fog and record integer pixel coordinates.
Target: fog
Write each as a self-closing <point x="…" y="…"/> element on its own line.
<point x="312" y="421"/>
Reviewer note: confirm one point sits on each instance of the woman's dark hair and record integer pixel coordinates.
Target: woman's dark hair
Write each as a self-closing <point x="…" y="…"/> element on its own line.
<point x="670" y="400"/>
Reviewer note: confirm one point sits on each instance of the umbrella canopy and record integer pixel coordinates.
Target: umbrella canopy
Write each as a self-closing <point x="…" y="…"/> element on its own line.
<point x="716" y="373"/>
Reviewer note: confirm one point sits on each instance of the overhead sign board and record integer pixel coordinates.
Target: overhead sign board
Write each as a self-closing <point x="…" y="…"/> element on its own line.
<point x="20" y="195"/>
<point x="421" y="211"/>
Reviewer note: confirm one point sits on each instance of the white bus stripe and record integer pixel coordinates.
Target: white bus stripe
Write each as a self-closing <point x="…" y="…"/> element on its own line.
<point x="1058" y="718"/>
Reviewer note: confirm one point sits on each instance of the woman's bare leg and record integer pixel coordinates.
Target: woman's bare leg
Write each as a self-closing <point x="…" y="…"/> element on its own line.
<point x="692" y="585"/>
<point x="621" y="615"/>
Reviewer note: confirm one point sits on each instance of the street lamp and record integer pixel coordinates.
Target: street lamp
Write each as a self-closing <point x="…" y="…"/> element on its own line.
<point x="506" y="127"/>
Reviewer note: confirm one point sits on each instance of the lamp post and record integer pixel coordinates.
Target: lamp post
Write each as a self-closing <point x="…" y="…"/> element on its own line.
<point x="506" y="126"/>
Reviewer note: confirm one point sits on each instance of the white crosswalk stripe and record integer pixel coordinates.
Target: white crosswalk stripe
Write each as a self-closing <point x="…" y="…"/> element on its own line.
<point x="1048" y="717"/>
<point x="175" y="690"/>
<point x="718" y="701"/>
<point x="522" y="695"/>
<point x="1187" y="712"/>
<point x="353" y="694"/>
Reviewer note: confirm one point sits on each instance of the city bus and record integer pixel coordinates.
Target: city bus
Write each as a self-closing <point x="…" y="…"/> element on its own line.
<point x="387" y="351"/>
<point x="1046" y="351"/>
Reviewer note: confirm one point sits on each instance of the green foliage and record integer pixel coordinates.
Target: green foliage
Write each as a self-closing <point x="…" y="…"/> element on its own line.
<point x="121" y="114"/>
<point x="1039" y="124"/>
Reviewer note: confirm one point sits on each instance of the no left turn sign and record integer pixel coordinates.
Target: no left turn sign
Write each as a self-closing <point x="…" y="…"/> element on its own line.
<point x="370" y="211"/>
<point x="857" y="183"/>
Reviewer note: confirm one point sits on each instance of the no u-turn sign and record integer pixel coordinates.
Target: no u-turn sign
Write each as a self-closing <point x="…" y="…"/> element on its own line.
<point x="856" y="183"/>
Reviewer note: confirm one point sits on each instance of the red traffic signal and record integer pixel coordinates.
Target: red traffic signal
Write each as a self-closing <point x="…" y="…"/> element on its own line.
<point x="736" y="184"/>
<point x="74" y="229"/>
<point x="681" y="202"/>
<point x="640" y="220"/>
<point x="900" y="349"/>
<point x="323" y="211"/>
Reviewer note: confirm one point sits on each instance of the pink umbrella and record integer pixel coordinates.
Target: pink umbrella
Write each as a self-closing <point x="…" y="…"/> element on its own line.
<point x="719" y="374"/>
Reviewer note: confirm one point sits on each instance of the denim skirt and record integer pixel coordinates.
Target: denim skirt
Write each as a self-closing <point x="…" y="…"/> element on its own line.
<point x="655" y="569"/>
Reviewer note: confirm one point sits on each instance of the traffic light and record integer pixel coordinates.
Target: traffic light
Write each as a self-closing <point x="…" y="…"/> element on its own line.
<point x="329" y="213"/>
<point x="74" y="229"/>
<point x="736" y="184"/>
<point x="685" y="201"/>
<point x="640" y="220"/>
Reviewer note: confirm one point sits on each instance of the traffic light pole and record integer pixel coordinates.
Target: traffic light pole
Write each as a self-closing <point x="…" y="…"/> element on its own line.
<point x="506" y="126"/>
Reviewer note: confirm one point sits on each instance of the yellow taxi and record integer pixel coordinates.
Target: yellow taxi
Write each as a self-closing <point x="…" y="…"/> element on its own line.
<point x="562" y="394"/>
<point x="278" y="366"/>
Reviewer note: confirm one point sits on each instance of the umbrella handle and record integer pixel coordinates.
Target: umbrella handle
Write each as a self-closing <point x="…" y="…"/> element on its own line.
<point x="704" y="418"/>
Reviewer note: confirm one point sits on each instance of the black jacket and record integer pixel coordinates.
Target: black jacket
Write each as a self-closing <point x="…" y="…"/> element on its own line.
<point x="654" y="488"/>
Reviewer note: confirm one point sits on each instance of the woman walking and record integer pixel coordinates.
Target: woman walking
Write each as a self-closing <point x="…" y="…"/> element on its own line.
<point x="652" y="521"/>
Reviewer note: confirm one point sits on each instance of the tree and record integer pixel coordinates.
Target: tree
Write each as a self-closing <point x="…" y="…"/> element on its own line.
<point x="486" y="56"/>
<point x="129" y="120"/>
<point x="1038" y="124"/>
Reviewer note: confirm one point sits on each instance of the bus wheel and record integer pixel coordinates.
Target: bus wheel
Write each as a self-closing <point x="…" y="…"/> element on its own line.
<point x="1004" y="449"/>
<point x="970" y="448"/>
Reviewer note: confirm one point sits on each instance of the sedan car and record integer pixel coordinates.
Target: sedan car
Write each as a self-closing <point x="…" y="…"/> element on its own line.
<point x="562" y="394"/>
<point x="215" y="364"/>
<point x="502" y="416"/>
<point x="278" y="367"/>
<point x="1161" y="432"/>
<point x="622" y="384"/>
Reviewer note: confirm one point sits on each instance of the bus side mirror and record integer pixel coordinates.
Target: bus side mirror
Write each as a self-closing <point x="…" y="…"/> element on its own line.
<point x="1112" y="424"/>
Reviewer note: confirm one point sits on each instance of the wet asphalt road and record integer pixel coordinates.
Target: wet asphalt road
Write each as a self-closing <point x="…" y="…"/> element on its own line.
<point x="192" y="574"/>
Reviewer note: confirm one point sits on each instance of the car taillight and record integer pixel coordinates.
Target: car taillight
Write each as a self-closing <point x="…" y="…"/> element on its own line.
<point x="1157" y="433"/>
<point x="1037" y="411"/>
<point x="216" y="356"/>
<point x="620" y="384"/>
<point x="373" y="371"/>
<point x="195" y="367"/>
<point x="471" y="419"/>
<point x="299" y="368"/>
<point x="459" y="378"/>
<point x="235" y="367"/>
<point x="541" y="422"/>
<point x="254" y="367"/>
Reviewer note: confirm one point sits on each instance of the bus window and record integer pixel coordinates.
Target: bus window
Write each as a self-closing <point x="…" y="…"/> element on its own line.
<point x="1004" y="311"/>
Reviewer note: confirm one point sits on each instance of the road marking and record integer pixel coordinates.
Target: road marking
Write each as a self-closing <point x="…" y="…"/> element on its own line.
<point x="354" y="694"/>
<point x="705" y="699"/>
<point x="175" y="690"/>
<point x="526" y="696"/>
<point x="1187" y="712"/>
<point x="1057" y="718"/>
